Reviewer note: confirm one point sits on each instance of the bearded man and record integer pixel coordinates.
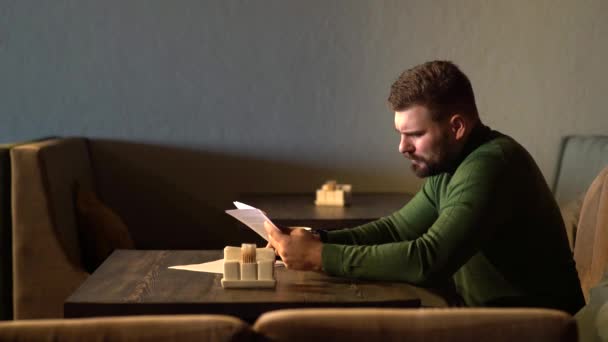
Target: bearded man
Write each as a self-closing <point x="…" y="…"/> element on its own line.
<point x="484" y="219"/>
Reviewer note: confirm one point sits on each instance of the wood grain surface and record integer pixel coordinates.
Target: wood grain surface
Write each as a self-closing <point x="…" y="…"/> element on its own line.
<point x="136" y="282"/>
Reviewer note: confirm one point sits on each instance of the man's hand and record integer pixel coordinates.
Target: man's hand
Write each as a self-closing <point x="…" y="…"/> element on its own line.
<point x="299" y="248"/>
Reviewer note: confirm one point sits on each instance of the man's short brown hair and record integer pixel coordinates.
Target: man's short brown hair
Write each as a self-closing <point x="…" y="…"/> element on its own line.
<point x="438" y="85"/>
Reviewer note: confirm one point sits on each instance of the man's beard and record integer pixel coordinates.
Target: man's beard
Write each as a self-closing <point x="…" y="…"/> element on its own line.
<point x="442" y="161"/>
<point x="423" y="169"/>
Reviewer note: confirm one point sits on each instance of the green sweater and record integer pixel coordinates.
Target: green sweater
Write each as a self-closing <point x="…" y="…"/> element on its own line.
<point x="491" y="223"/>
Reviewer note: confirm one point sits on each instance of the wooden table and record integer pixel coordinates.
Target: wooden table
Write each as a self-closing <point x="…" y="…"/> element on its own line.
<point x="300" y="210"/>
<point x="137" y="282"/>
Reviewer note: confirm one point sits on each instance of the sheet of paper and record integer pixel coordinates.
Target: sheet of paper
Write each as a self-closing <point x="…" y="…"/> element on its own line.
<point x="216" y="266"/>
<point x="240" y="205"/>
<point x="252" y="217"/>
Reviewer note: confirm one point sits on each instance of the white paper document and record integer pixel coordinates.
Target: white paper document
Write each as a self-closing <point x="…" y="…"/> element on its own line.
<point x="216" y="266"/>
<point x="252" y="217"/>
<point x="240" y="205"/>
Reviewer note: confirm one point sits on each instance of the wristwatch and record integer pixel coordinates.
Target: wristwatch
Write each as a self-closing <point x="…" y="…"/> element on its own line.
<point x="322" y="233"/>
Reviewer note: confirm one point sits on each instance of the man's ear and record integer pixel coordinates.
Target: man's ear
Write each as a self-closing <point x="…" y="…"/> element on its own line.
<point x="458" y="126"/>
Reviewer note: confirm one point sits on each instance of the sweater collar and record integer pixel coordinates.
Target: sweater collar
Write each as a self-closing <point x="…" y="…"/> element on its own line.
<point x="479" y="136"/>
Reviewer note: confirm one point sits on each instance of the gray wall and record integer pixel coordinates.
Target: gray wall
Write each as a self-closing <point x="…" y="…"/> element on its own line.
<point x="297" y="85"/>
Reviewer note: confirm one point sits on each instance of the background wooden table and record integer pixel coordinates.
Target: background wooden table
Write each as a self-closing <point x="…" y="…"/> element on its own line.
<point x="135" y="282"/>
<point x="300" y="210"/>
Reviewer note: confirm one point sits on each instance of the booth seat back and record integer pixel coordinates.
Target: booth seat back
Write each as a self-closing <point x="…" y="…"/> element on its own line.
<point x="428" y="325"/>
<point x="6" y="230"/>
<point x="138" y="328"/>
<point x="6" y="257"/>
<point x="591" y="247"/>
<point x="47" y="264"/>
<point x="581" y="158"/>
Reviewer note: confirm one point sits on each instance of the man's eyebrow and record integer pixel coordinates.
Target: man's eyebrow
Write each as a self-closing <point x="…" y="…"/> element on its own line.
<point x="411" y="132"/>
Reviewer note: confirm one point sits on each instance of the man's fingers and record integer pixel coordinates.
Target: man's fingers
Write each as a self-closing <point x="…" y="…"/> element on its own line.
<point x="268" y="226"/>
<point x="270" y="231"/>
<point x="274" y="234"/>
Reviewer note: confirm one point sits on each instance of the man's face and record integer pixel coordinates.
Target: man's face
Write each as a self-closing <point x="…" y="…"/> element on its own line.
<point x="426" y="143"/>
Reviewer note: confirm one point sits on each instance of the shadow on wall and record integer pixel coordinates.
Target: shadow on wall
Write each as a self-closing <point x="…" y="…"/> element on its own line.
<point x="175" y="198"/>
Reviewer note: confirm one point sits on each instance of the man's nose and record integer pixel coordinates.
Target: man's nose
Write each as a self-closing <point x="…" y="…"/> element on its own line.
<point x="405" y="146"/>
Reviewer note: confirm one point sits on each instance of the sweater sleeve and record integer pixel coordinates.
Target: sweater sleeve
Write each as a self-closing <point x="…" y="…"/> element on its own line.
<point x="408" y="223"/>
<point x="468" y="212"/>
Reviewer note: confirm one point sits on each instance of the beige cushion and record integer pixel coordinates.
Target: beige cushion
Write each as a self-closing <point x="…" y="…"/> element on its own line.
<point x="601" y="322"/>
<point x="101" y="230"/>
<point x="47" y="265"/>
<point x="591" y="248"/>
<point x="138" y="328"/>
<point x="571" y="213"/>
<point x="454" y="324"/>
